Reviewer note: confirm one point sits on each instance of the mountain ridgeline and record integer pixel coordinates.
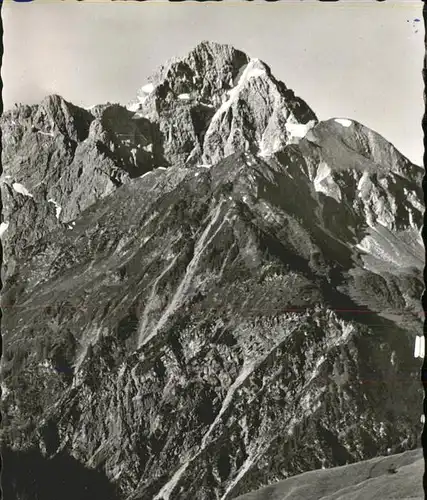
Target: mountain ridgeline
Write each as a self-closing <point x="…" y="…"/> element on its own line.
<point x="205" y="291"/>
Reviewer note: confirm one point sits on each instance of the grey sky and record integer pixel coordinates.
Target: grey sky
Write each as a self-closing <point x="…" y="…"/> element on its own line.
<point x="361" y="61"/>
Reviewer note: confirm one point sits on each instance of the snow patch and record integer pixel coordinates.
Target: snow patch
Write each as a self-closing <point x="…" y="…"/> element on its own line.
<point x="19" y="188"/>
<point x="252" y="71"/>
<point x="184" y="97"/>
<point x="298" y="130"/>
<point x="142" y="95"/>
<point x="423" y="419"/>
<point x="134" y="106"/>
<point x="57" y="206"/>
<point x="3" y="227"/>
<point x="145" y="175"/>
<point x="344" y="122"/>
<point x="205" y="165"/>
<point x="147" y="89"/>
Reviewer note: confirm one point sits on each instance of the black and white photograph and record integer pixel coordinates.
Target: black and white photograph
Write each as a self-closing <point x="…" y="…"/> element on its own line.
<point x="212" y="250"/>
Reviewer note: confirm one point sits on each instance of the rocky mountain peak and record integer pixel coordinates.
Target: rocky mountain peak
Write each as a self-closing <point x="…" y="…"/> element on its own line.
<point x="217" y="100"/>
<point x="209" y="69"/>
<point x="375" y="153"/>
<point x="56" y="115"/>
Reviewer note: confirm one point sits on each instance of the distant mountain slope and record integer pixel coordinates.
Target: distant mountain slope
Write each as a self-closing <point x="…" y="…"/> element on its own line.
<point x="201" y="307"/>
<point x="395" y="477"/>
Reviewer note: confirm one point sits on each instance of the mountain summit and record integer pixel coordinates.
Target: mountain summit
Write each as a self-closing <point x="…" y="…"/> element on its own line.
<point x="206" y="291"/>
<point x="227" y="102"/>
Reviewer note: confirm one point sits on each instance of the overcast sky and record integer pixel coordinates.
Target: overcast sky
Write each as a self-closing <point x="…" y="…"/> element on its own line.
<point x="359" y="60"/>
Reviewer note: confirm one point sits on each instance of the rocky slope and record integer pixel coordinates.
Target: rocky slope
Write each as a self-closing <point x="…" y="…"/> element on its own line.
<point x="207" y="291"/>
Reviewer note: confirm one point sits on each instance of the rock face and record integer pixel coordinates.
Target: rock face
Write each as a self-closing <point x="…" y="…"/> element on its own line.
<point x="207" y="291"/>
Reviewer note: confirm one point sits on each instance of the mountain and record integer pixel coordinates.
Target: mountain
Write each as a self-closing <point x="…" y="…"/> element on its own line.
<point x="204" y="292"/>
